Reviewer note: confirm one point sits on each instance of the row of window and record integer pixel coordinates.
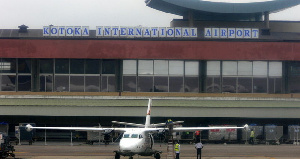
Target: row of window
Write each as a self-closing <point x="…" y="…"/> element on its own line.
<point x="94" y="75"/>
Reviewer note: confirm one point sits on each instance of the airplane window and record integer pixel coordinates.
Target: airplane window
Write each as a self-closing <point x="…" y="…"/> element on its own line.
<point x="126" y="136"/>
<point x="140" y="136"/>
<point x="134" y="136"/>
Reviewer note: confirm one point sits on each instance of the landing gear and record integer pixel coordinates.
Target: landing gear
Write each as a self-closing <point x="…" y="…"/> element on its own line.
<point x="157" y="156"/>
<point x="130" y="157"/>
<point x="117" y="156"/>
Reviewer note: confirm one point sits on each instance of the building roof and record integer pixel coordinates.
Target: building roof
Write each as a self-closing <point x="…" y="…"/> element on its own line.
<point x="228" y="9"/>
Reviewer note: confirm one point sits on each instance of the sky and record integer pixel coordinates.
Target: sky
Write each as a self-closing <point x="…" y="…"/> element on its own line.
<point x="38" y="13"/>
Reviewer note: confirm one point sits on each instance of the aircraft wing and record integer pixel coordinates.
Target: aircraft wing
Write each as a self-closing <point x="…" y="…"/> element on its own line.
<point x="183" y="129"/>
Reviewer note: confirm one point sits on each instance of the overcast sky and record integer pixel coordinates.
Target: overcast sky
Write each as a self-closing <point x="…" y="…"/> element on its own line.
<point x="92" y="13"/>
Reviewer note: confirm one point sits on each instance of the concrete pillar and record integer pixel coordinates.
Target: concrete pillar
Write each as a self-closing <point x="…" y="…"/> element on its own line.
<point x="191" y="19"/>
<point x="267" y="20"/>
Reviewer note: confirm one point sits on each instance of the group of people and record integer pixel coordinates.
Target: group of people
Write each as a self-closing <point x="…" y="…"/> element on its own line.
<point x="198" y="147"/>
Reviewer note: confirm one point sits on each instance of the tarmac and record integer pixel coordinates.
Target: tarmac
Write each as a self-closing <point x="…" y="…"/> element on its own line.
<point x="79" y="150"/>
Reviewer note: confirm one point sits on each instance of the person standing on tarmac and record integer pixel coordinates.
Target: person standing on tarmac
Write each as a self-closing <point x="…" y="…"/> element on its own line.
<point x="177" y="149"/>
<point x="252" y="137"/>
<point x="198" y="147"/>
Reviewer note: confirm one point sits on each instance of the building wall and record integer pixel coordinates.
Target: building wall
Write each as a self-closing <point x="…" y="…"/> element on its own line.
<point x="146" y="49"/>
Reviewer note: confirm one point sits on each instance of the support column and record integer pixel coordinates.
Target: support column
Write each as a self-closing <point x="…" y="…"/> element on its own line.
<point x="267" y="20"/>
<point x="191" y="18"/>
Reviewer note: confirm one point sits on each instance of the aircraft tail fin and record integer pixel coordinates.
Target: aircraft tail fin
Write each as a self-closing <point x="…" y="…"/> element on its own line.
<point x="147" y="123"/>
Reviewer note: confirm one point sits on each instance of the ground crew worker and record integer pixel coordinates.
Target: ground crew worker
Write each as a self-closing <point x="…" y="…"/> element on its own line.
<point x="199" y="147"/>
<point x="177" y="149"/>
<point x="252" y="137"/>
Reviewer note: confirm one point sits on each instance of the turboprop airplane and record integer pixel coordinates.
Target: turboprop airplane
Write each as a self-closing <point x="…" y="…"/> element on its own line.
<point x="137" y="140"/>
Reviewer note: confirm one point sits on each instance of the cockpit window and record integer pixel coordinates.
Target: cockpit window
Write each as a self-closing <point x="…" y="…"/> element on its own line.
<point x="134" y="136"/>
<point x="126" y="136"/>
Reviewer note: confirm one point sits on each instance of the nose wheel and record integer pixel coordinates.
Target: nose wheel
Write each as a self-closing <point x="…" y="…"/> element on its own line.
<point x="130" y="157"/>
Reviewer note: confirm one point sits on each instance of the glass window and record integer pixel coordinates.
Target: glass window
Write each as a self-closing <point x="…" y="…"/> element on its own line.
<point x="260" y="68"/>
<point x="175" y="67"/>
<point x="108" y="84"/>
<point x="92" y="83"/>
<point x="229" y="68"/>
<point x="92" y="67"/>
<point x="244" y="68"/>
<point x="176" y="84"/>
<point x="191" y="68"/>
<point x="191" y="84"/>
<point x="229" y="84"/>
<point x="294" y="84"/>
<point x="8" y="83"/>
<point x="76" y="84"/>
<point x="108" y="66"/>
<point x="161" y="67"/>
<point x="213" y="68"/>
<point x="260" y="85"/>
<point x="129" y="67"/>
<point x="46" y="83"/>
<point x="24" y="83"/>
<point x="145" y="67"/>
<point x="244" y="85"/>
<point x="24" y="65"/>
<point x="126" y="136"/>
<point x="129" y="83"/>
<point x="134" y="136"/>
<point x="275" y="85"/>
<point x="61" y="83"/>
<point x="76" y="66"/>
<point x="46" y="66"/>
<point x="62" y="66"/>
<point x="8" y="65"/>
<point x="160" y="84"/>
<point x="275" y="69"/>
<point x="213" y="85"/>
<point x="145" y="84"/>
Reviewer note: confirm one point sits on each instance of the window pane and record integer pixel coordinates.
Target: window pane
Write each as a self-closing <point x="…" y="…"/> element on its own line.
<point x="244" y="68"/>
<point x="275" y="69"/>
<point x="213" y="85"/>
<point x="61" y="84"/>
<point x="229" y="84"/>
<point x="24" y="65"/>
<point x="104" y="84"/>
<point x="213" y="68"/>
<point x="46" y="66"/>
<point x="145" y="84"/>
<point x="160" y="84"/>
<point x="8" y="83"/>
<point x="191" y="68"/>
<point x="76" y="66"/>
<point x="129" y="83"/>
<point x="294" y="84"/>
<point x="24" y="83"/>
<point x="244" y="85"/>
<point x="129" y="67"/>
<point x="260" y="68"/>
<point x="275" y="85"/>
<point x="175" y="84"/>
<point x="92" y="67"/>
<point x="259" y="85"/>
<point x="8" y="66"/>
<point x="108" y="66"/>
<point x="229" y="68"/>
<point x="175" y="67"/>
<point x="161" y="67"/>
<point x="42" y="83"/>
<point x="92" y="83"/>
<point x="62" y="66"/>
<point x="191" y="84"/>
<point x="145" y="67"/>
<point x="76" y="84"/>
<point x="111" y="84"/>
<point x="49" y="83"/>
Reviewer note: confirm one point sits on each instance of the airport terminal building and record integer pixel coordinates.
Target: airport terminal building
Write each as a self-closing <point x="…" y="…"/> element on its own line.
<point x="230" y="56"/>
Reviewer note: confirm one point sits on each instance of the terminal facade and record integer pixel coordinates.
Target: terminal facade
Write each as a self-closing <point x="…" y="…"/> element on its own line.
<point x="244" y="56"/>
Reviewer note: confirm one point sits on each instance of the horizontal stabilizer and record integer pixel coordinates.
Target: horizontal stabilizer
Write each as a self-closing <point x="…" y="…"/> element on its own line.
<point x="130" y="124"/>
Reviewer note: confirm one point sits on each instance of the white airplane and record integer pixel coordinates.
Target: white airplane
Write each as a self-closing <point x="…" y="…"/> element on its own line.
<point x="137" y="140"/>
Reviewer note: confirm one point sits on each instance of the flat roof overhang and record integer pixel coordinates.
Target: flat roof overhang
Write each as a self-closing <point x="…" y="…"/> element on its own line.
<point x="221" y="9"/>
<point x="162" y="106"/>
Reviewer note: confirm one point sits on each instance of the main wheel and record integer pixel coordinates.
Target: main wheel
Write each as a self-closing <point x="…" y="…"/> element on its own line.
<point x="157" y="156"/>
<point x="130" y="157"/>
<point x="117" y="156"/>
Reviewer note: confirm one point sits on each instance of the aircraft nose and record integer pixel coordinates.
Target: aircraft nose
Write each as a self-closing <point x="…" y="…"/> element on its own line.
<point x="127" y="146"/>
